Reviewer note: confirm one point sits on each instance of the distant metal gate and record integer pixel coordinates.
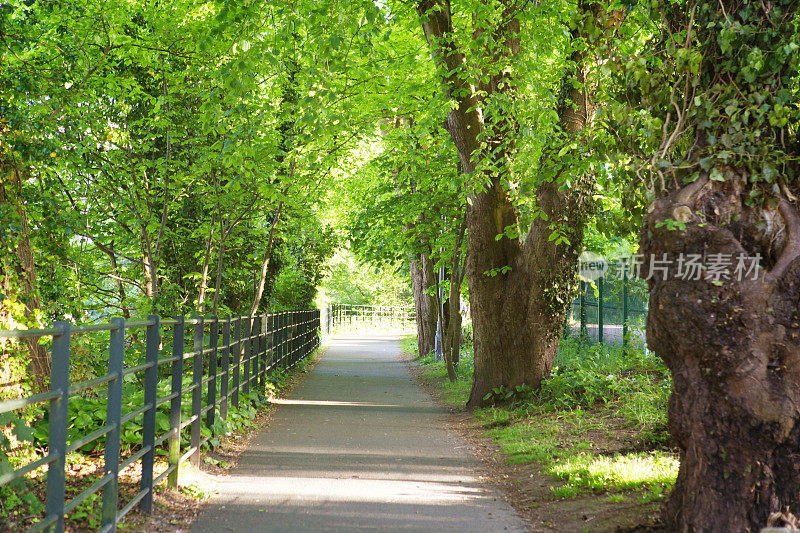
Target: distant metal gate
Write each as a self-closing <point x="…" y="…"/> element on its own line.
<point x="369" y="317"/>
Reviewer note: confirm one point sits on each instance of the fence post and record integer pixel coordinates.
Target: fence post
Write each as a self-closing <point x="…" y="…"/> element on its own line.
<point x="263" y="349"/>
<point x="284" y="339"/>
<point x="287" y="336"/>
<point x="625" y="335"/>
<point x="178" y="339"/>
<point x="270" y="340"/>
<point x="246" y="344"/>
<point x="295" y="337"/>
<point x="307" y="340"/>
<point x="583" y="310"/>
<point x="149" y="422"/>
<point x="600" y="309"/>
<point x="254" y="352"/>
<point x="278" y="324"/>
<point x="116" y="357"/>
<point x="262" y="363"/>
<point x="237" y="360"/>
<point x="318" y="333"/>
<point x="301" y="335"/>
<point x="57" y="426"/>
<point x="255" y="355"/>
<point x="197" y="391"/>
<point x="213" y="343"/>
<point x="292" y="332"/>
<point x="226" y="369"/>
<point x="304" y="318"/>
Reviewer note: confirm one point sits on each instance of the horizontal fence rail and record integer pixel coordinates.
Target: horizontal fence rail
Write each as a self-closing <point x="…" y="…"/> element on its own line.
<point x="368" y="316"/>
<point x="224" y="358"/>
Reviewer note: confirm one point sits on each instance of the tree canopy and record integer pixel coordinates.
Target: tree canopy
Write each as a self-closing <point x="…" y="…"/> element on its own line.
<point x="225" y="157"/>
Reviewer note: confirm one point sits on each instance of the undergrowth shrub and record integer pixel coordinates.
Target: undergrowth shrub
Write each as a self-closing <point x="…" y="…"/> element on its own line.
<point x="634" y="383"/>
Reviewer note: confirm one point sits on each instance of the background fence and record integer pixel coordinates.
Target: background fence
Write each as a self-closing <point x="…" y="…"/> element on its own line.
<point x="227" y="357"/>
<point x="364" y="317"/>
<point x="610" y="310"/>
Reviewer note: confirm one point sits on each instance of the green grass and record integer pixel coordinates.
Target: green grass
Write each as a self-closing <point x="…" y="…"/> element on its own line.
<point x="600" y="402"/>
<point x="455" y="393"/>
<point x="618" y="472"/>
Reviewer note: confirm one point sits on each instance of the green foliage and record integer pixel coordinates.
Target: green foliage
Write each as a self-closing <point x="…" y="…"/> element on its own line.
<point x="304" y="255"/>
<point x="18" y="501"/>
<point x="635" y="384"/>
<point x="726" y="76"/>
<point x="89" y="511"/>
<point x="349" y="281"/>
<point x="509" y="395"/>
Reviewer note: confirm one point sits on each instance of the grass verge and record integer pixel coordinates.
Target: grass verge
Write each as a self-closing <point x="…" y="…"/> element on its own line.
<point x="593" y="434"/>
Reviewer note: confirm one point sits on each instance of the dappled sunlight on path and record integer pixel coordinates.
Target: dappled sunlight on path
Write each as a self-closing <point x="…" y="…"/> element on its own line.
<point x="358" y="446"/>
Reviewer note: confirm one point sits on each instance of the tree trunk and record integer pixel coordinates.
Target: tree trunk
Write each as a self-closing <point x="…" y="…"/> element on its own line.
<point x="452" y="343"/>
<point x="201" y="296"/>
<point x="423" y="281"/>
<point x="417" y="289"/>
<point x="148" y="268"/>
<point x="519" y="292"/>
<point x="443" y="309"/>
<point x="218" y="283"/>
<point x="730" y="332"/>
<point x="18" y="279"/>
<point x="265" y="262"/>
<point x="112" y="257"/>
<point x="734" y="353"/>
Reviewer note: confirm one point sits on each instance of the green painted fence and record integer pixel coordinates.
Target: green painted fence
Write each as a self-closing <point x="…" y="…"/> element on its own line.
<point x="226" y="357"/>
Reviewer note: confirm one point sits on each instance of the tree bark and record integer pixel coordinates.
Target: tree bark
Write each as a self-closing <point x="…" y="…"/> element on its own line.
<point x="112" y="258"/>
<point x="731" y="340"/>
<point x="201" y="296"/>
<point x="218" y="283"/>
<point x="423" y="281"/>
<point x="519" y="291"/>
<point x="452" y="343"/>
<point x="417" y="289"/>
<point x="734" y="354"/>
<point x="265" y="262"/>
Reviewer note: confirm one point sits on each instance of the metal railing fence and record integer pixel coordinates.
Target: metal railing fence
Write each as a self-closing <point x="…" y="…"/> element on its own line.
<point x="368" y="316"/>
<point x="608" y="312"/>
<point x="228" y="356"/>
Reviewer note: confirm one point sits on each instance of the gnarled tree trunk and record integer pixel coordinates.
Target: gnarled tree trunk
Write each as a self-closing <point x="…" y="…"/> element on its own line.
<point x="730" y="332"/>
<point x="734" y="352"/>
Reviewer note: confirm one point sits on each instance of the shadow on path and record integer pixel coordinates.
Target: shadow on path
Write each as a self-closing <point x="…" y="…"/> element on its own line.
<point x="357" y="447"/>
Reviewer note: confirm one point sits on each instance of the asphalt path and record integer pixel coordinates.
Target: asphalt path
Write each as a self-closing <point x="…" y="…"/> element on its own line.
<point x="358" y="446"/>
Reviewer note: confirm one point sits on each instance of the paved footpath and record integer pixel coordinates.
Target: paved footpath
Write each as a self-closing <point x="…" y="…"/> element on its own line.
<point x="358" y="446"/>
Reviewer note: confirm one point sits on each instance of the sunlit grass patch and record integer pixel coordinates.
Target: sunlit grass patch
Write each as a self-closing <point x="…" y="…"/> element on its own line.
<point x="454" y="394"/>
<point x="618" y="472"/>
<point x="408" y="344"/>
<point x="600" y="402"/>
<point x="541" y="439"/>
